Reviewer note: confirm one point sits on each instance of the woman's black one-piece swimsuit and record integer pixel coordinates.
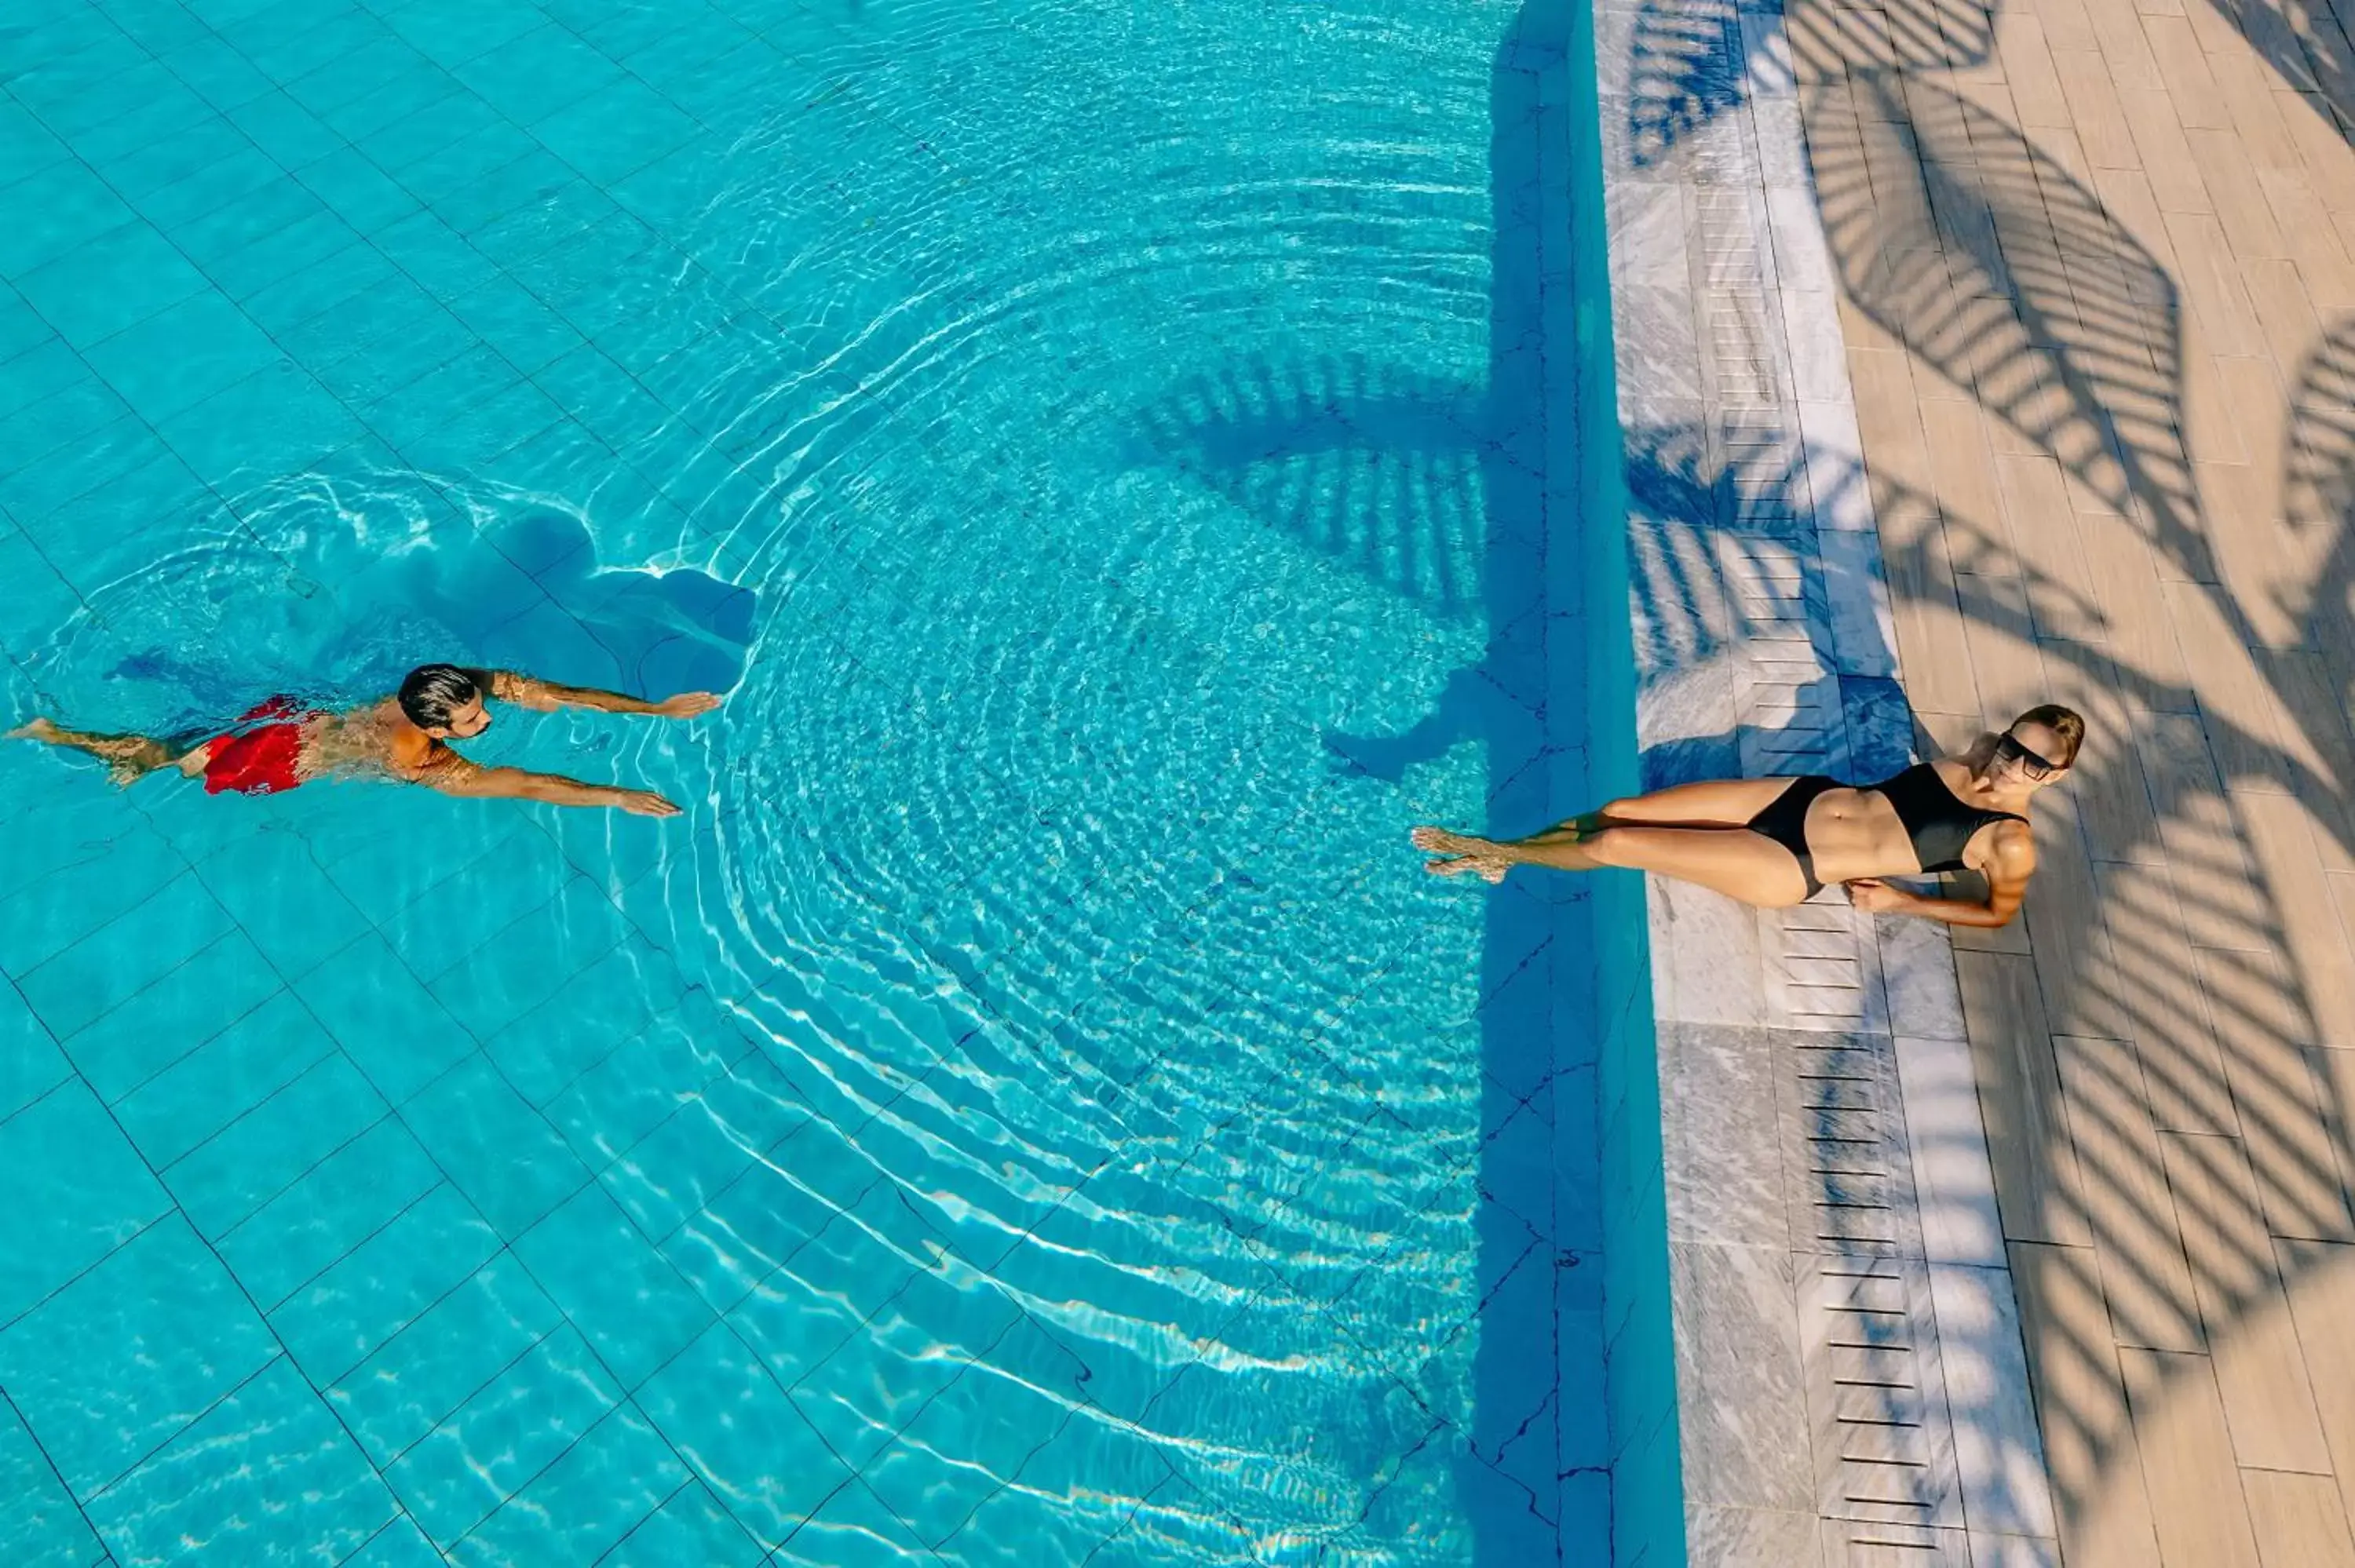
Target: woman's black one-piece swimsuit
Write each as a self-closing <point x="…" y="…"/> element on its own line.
<point x="1937" y="821"/>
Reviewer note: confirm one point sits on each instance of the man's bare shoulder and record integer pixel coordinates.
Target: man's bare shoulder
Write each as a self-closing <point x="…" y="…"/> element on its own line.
<point x="436" y="760"/>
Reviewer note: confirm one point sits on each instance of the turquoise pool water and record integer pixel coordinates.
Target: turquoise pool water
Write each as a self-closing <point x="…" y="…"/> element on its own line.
<point x="1031" y="1108"/>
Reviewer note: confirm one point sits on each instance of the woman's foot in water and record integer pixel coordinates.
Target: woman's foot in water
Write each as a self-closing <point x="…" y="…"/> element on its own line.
<point x="1460" y="852"/>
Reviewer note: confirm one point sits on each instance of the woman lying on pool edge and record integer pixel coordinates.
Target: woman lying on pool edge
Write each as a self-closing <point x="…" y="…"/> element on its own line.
<point x="1774" y="842"/>
<point x="283" y="744"/>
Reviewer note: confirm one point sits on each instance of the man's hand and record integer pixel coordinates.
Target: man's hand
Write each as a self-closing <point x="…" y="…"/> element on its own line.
<point x="1876" y="896"/>
<point x="646" y="803"/>
<point x="686" y="705"/>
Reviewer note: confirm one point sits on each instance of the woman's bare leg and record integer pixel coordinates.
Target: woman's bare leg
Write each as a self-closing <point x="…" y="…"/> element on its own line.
<point x="1733" y="861"/>
<point x="1557" y="846"/>
<point x="1710" y="803"/>
<point x="129" y="757"/>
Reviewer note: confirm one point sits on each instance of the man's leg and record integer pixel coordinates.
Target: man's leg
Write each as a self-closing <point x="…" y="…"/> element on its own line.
<point x="128" y="756"/>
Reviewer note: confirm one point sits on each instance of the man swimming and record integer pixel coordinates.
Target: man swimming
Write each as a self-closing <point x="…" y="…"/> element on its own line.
<point x="280" y="744"/>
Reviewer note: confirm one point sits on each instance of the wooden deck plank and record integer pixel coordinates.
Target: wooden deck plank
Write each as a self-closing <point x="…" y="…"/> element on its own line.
<point x="2081" y="1402"/>
<point x="2036" y="1181"/>
<point x="2321" y="1287"/>
<point x="2194" y="916"/>
<point x="2186" y="1462"/>
<point x="2300" y="1521"/>
<point x="2260" y="1372"/>
<point x="2264" y="1030"/>
<point x="2131" y="1209"/>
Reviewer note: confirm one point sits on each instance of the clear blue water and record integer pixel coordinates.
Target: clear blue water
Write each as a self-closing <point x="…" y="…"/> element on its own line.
<point x="1031" y="1108"/>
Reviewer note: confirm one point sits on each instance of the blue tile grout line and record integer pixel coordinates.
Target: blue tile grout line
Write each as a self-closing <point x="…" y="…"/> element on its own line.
<point x="283" y="1353"/>
<point x="448" y="1181"/>
<point x="393" y="1115"/>
<point x="360" y="420"/>
<point x="56" y="1474"/>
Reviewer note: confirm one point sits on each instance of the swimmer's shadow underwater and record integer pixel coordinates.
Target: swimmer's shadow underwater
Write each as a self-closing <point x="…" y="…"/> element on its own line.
<point x="525" y="592"/>
<point x="677" y="630"/>
<point x="311" y="670"/>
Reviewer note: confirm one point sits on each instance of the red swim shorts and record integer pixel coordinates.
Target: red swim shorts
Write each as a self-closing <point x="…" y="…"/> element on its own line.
<point x="259" y="761"/>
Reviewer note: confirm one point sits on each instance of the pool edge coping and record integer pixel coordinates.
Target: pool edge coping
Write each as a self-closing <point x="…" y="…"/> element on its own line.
<point x="1725" y="325"/>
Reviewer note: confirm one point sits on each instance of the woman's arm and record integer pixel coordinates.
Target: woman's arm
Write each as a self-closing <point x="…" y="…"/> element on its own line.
<point x="547" y="696"/>
<point x="2011" y="861"/>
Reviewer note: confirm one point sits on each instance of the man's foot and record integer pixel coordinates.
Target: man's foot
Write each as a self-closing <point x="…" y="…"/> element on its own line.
<point x="1461" y="852"/>
<point x="35" y="729"/>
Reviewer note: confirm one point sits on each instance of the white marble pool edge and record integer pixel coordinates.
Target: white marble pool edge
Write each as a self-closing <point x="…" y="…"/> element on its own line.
<point x="1851" y="1378"/>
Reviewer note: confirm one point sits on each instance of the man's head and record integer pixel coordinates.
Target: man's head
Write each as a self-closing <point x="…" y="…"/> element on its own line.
<point x="445" y="702"/>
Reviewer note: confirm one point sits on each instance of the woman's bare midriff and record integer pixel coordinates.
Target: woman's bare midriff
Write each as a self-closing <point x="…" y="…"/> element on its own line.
<point x="1856" y="833"/>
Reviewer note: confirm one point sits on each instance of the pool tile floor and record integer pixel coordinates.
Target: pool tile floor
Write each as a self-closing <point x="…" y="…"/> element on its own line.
<point x="331" y="1235"/>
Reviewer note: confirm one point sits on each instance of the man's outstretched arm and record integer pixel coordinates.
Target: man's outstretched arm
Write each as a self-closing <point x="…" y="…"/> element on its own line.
<point x="547" y="696"/>
<point x="456" y="776"/>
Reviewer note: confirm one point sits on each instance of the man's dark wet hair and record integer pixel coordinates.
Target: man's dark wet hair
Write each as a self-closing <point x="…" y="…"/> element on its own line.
<point x="434" y="692"/>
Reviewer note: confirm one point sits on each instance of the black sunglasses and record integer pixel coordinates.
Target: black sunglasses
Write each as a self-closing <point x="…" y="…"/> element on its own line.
<point x="2011" y="750"/>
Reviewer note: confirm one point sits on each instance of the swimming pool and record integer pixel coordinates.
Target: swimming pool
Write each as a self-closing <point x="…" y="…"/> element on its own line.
<point x="1032" y="1108"/>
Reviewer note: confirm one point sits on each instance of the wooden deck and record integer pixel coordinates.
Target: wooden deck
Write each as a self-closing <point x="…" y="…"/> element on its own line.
<point x="2095" y="277"/>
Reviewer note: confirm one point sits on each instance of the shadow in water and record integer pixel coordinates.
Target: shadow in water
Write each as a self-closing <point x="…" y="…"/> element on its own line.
<point x="658" y="632"/>
<point x="334" y="587"/>
<point x="1439" y="494"/>
<point x="1392" y="475"/>
<point x="1369" y="465"/>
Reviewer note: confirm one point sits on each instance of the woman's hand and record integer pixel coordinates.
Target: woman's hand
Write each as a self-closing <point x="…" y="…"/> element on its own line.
<point x="686" y="705"/>
<point x="1877" y="898"/>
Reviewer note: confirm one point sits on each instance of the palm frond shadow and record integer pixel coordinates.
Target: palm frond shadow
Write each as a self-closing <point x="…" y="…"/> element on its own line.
<point x="1400" y="480"/>
<point x="2315" y="676"/>
<point x="1688" y="67"/>
<point x="2318" y="484"/>
<point x="1692" y="65"/>
<point x="2308" y="44"/>
<point x="1999" y="270"/>
<point x="1371" y="467"/>
<point x="2214" y="1040"/>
